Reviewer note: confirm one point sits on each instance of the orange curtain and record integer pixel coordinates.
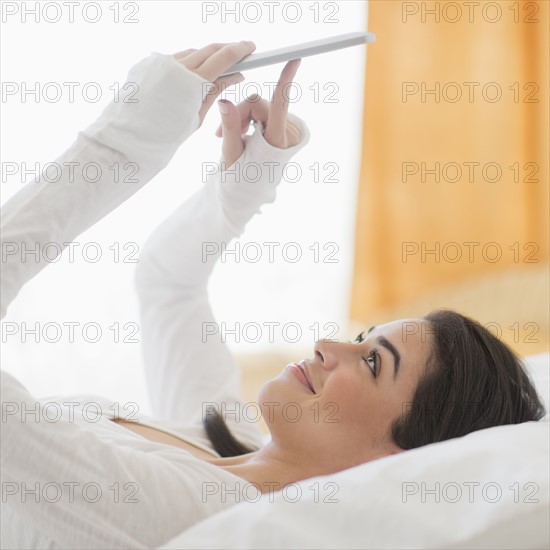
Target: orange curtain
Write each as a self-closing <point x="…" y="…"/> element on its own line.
<point x="454" y="168"/>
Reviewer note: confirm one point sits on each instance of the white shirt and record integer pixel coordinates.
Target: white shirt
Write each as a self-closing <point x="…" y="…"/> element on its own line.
<point x="148" y="491"/>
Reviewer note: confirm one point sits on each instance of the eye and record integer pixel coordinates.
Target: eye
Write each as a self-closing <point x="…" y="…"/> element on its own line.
<point x="373" y="362"/>
<point x="360" y="337"/>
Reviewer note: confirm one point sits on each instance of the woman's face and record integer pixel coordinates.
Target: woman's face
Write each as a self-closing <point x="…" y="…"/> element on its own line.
<point x="359" y="389"/>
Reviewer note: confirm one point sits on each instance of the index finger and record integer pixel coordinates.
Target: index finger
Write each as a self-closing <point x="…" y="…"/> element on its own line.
<point x="278" y="108"/>
<point x="224" y="58"/>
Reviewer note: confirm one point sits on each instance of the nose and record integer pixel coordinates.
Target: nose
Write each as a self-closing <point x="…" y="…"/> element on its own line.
<point x="326" y="351"/>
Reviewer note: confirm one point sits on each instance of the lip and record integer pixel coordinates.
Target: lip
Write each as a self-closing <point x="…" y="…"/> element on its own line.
<point x="300" y="371"/>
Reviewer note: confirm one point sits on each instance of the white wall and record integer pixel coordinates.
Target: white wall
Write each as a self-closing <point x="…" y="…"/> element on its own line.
<point x="306" y="212"/>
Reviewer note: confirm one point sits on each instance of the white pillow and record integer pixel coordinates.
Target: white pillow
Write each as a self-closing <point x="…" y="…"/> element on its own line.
<point x="538" y="367"/>
<point x="387" y="503"/>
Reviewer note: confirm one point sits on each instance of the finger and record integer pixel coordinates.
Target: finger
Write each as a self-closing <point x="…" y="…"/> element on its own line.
<point x="221" y="84"/>
<point x="253" y="108"/>
<point x="250" y="111"/>
<point x="182" y="55"/>
<point x="276" y="130"/>
<point x="233" y="145"/>
<point x="223" y="58"/>
<point x="196" y="58"/>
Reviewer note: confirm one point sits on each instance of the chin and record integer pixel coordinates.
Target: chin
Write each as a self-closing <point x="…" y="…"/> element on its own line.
<point x="263" y="391"/>
<point x="278" y="393"/>
<point x="270" y="391"/>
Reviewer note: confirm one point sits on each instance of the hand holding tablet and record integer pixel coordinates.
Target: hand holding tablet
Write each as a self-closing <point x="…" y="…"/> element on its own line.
<point x="298" y="51"/>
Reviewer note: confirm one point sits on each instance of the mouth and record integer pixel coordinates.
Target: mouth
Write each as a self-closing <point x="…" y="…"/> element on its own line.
<point x="303" y="375"/>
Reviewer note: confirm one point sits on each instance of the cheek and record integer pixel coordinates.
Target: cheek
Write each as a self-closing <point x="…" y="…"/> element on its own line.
<point x="360" y="404"/>
<point x="351" y="396"/>
<point x="280" y="391"/>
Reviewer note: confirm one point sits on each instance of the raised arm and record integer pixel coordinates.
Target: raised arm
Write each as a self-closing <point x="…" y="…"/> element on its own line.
<point x="135" y="136"/>
<point x="186" y="365"/>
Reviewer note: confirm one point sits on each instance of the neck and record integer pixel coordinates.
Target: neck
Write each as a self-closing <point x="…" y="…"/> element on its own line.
<point x="271" y="468"/>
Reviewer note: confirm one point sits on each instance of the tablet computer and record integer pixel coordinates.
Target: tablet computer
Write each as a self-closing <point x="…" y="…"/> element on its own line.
<point x="306" y="49"/>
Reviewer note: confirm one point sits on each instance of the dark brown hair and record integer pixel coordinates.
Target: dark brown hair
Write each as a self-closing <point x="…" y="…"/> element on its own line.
<point x="473" y="381"/>
<point x="221" y="438"/>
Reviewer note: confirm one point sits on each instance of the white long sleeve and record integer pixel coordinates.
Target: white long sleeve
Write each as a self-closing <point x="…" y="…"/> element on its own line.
<point x="145" y="134"/>
<point x="75" y="483"/>
<point x="171" y="282"/>
<point x="185" y="368"/>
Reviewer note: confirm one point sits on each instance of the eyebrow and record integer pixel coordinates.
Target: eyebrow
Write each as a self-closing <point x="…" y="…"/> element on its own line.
<point x="392" y="349"/>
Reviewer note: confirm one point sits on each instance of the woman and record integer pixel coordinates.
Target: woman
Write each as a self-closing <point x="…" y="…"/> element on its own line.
<point x="120" y="482"/>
